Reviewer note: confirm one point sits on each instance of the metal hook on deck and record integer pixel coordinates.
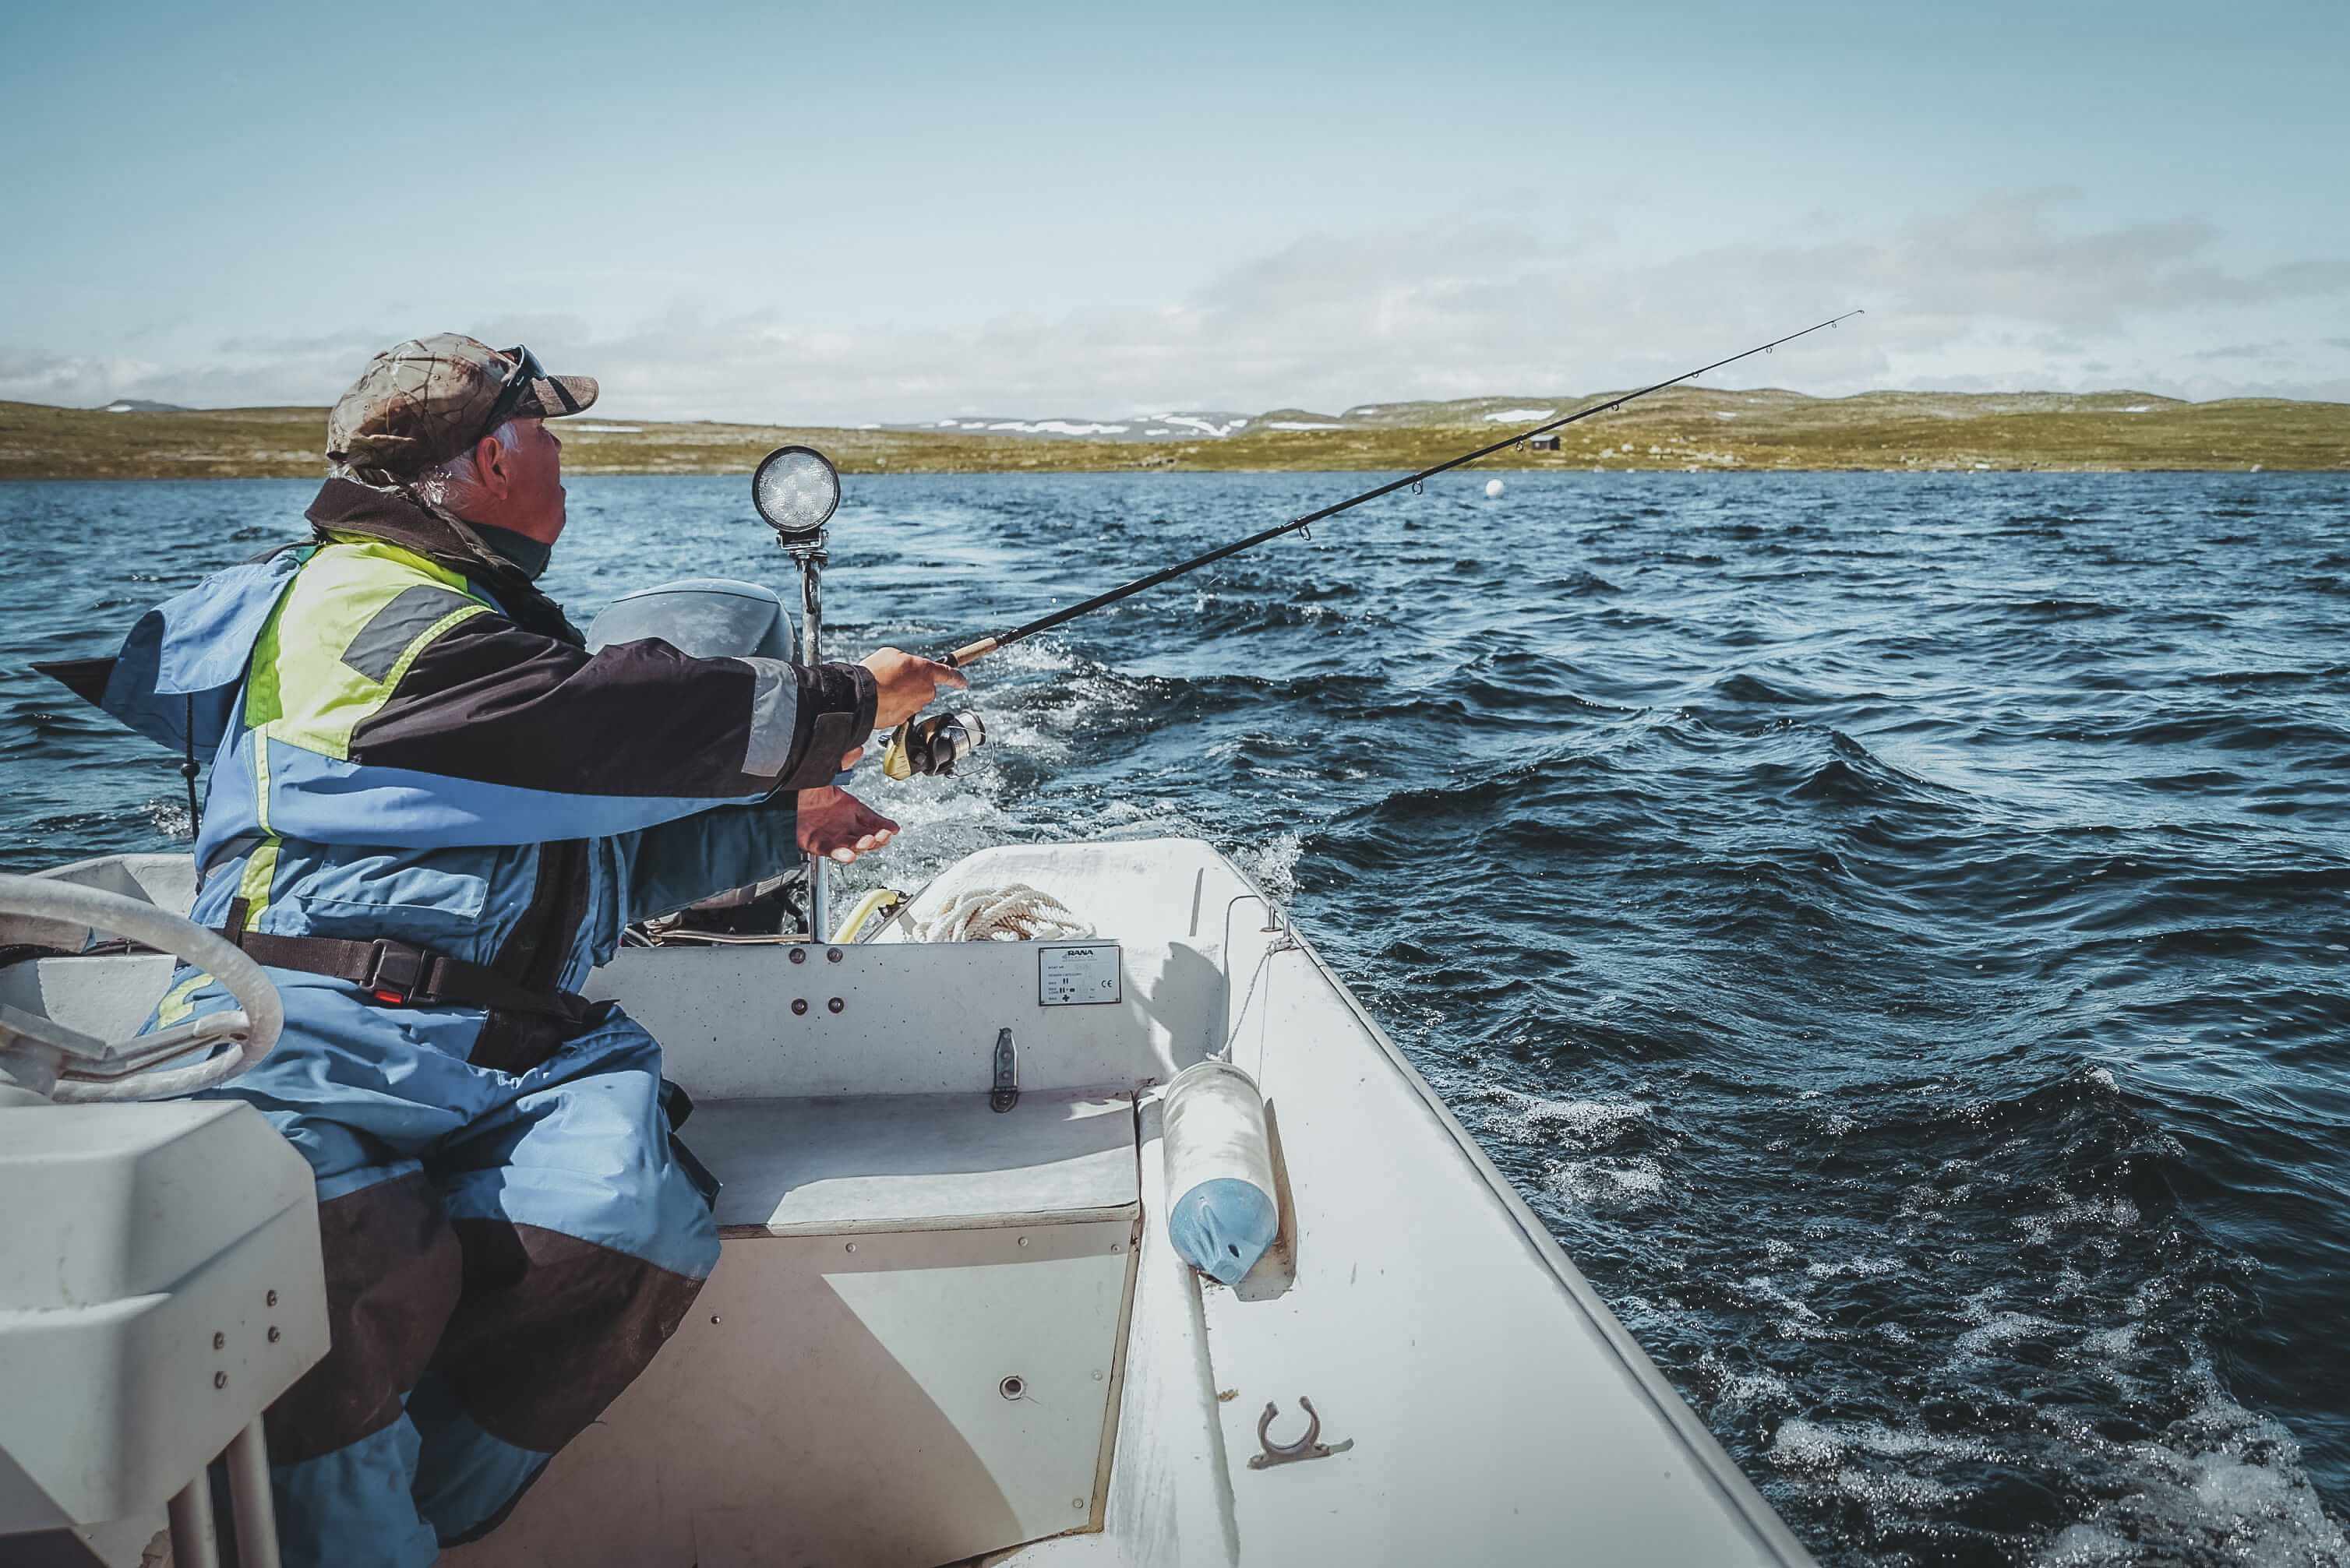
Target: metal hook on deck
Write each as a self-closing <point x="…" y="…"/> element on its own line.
<point x="1309" y="1446"/>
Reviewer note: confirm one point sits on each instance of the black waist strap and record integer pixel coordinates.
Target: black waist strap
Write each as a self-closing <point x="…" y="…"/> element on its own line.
<point x="395" y="972"/>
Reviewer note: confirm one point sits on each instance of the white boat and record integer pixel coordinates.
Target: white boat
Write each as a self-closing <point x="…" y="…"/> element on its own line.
<point x="940" y="1331"/>
<point x="949" y="1322"/>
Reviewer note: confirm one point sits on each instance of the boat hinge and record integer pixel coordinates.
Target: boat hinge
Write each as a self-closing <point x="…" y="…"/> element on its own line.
<point x="1006" y="1092"/>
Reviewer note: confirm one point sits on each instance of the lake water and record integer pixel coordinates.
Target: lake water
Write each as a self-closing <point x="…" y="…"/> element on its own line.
<point x="1890" y="926"/>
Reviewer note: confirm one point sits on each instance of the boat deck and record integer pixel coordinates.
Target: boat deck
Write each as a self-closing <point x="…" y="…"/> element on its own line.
<point x="939" y="1334"/>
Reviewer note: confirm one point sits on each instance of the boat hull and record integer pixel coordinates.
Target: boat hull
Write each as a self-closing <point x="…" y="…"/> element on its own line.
<point x="1476" y="1400"/>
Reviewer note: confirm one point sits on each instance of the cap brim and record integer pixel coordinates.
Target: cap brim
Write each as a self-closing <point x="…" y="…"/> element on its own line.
<point x="555" y="396"/>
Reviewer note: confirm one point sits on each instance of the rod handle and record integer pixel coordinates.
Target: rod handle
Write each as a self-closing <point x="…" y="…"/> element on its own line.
<point x="979" y="650"/>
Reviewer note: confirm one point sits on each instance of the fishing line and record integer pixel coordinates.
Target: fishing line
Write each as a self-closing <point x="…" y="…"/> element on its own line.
<point x="966" y="654"/>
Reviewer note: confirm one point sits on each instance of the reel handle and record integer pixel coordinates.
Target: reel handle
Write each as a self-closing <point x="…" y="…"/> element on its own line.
<point x="933" y="745"/>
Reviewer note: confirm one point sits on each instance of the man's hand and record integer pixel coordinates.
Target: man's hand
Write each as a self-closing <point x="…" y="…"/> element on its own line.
<point x="836" y="823"/>
<point x="907" y="684"/>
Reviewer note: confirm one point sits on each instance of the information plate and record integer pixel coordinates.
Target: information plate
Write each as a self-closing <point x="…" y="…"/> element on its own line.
<point x="1076" y="974"/>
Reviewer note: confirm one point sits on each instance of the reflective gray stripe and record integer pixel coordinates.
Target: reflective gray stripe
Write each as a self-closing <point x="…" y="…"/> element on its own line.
<point x="774" y="710"/>
<point x="383" y="639"/>
<point x="235" y="848"/>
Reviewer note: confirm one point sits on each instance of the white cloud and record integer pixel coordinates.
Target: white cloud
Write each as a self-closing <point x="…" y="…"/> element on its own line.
<point x="72" y="381"/>
<point x="231" y="380"/>
<point x="1997" y="296"/>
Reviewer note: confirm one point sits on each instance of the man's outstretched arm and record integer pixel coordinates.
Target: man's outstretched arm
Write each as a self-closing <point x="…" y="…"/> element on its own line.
<point x="486" y="734"/>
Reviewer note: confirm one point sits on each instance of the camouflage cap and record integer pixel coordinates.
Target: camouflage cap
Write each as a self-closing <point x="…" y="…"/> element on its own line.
<point x="422" y="403"/>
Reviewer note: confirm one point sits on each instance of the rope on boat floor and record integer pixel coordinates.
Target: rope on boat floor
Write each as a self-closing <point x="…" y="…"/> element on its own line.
<point x="1016" y="913"/>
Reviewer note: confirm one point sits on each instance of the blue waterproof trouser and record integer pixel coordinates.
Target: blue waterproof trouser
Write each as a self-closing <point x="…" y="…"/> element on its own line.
<point x="504" y="1252"/>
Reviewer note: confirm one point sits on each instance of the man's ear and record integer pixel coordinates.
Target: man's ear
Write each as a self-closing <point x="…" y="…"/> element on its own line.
<point x="492" y="462"/>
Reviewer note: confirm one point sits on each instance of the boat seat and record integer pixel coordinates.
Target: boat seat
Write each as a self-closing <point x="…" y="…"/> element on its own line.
<point x="843" y="1164"/>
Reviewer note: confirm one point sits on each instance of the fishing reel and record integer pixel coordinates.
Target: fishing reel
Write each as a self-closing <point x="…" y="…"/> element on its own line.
<point x="932" y="746"/>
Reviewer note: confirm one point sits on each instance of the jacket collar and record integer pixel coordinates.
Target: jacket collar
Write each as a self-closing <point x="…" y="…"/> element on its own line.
<point x="348" y="506"/>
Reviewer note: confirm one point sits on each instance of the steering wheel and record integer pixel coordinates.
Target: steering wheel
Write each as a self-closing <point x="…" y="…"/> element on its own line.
<point x="70" y="1067"/>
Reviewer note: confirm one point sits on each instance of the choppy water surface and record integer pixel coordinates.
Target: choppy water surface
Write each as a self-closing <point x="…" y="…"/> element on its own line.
<point x="1890" y="926"/>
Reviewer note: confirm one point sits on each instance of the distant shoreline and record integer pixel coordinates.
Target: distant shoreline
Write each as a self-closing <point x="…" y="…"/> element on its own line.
<point x="1683" y="430"/>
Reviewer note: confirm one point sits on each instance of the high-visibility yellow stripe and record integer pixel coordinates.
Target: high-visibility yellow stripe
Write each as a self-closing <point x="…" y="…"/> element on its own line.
<point x="301" y="690"/>
<point x="260" y="874"/>
<point x="261" y="693"/>
<point x="179" y="1001"/>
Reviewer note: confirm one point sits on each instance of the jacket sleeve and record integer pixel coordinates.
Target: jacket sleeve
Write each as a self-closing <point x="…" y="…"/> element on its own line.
<point x="489" y="703"/>
<point x="678" y="863"/>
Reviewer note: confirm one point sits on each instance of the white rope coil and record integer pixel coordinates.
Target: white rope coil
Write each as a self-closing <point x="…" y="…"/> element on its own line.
<point x="1017" y="913"/>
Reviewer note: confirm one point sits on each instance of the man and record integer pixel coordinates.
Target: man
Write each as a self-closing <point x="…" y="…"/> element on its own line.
<point x="431" y="812"/>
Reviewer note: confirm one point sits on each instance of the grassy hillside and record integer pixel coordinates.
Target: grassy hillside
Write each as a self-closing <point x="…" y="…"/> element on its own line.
<point x="1682" y="429"/>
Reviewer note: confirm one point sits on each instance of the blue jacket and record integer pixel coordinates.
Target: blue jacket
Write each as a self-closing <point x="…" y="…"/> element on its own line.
<point x="410" y="742"/>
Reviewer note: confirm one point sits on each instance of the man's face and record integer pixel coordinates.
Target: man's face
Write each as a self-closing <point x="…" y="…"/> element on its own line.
<point x="535" y="482"/>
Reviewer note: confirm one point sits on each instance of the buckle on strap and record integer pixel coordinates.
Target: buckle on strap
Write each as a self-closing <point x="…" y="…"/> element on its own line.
<point x="394" y="971"/>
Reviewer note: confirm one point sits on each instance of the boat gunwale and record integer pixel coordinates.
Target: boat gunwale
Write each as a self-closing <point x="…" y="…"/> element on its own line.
<point x="1735" y="1487"/>
<point x="992" y="1220"/>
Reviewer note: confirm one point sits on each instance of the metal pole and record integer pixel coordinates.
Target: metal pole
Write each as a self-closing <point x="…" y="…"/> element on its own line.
<point x="811" y="557"/>
<point x="253" y="1511"/>
<point x="191" y="1514"/>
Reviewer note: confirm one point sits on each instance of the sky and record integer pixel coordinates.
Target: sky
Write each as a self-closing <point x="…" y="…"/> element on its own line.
<point x="848" y="211"/>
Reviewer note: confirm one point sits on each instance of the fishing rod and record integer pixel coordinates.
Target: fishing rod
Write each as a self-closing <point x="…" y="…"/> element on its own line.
<point x="917" y="742"/>
<point x="964" y="655"/>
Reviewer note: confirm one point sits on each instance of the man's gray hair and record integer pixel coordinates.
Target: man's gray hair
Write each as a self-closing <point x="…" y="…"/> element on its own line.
<point x="455" y="485"/>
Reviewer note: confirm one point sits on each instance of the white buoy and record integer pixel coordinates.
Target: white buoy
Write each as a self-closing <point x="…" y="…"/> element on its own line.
<point x="1221" y="1210"/>
<point x="1493" y="488"/>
